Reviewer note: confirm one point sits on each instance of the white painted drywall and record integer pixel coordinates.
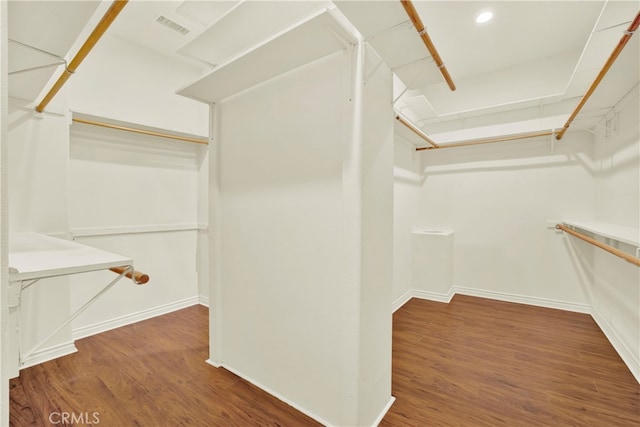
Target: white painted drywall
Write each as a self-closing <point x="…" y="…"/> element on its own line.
<point x="122" y="179"/>
<point x="164" y="180"/>
<point x="126" y="82"/>
<point x="407" y="180"/>
<point x="38" y="152"/>
<point x="38" y="193"/>
<point x="497" y="199"/>
<point x="122" y="183"/>
<point x="615" y="295"/>
<point x="305" y="223"/>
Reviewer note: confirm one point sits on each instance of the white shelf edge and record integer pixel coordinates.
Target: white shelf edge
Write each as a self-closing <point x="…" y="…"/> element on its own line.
<point x="433" y="232"/>
<point x="342" y="36"/>
<point x="623" y="234"/>
<point x="81" y="232"/>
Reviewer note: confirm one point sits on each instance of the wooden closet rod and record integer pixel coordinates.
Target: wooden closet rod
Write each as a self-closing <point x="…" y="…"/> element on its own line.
<point x="138" y="277"/>
<point x="91" y="41"/>
<point x="621" y="44"/>
<point x="417" y="132"/>
<point x="141" y="131"/>
<point x="617" y="252"/>
<point x="491" y="140"/>
<point x="417" y="22"/>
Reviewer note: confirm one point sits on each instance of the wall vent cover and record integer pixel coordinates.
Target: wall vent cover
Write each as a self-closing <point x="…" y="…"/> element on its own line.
<point x="163" y="20"/>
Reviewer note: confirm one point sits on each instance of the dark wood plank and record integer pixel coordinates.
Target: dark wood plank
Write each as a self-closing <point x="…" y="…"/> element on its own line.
<point x="479" y="362"/>
<point x="152" y="373"/>
<point x="473" y="362"/>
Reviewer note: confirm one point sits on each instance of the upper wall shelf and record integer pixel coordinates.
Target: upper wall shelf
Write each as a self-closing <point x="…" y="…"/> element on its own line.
<point x="315" y="37"/>
<point x="628" y="235"/>
<point x="42" y="33"/>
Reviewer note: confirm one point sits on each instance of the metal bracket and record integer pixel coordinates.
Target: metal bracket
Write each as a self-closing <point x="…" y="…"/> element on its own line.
<point x="60" y="59"/>
<point x="79" y="311"/>
<point x="24" y="70"/>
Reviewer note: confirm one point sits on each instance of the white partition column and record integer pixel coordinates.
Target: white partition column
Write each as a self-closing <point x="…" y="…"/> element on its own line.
<point x="301" y="222"/>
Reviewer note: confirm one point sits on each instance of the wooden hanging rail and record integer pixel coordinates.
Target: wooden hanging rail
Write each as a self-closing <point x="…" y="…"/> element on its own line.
<point x="491" y="140"/>
<point x="138" y="277"/>
<point x="141" y="131"/>
<point x="91" y="41"/>
<point x="617" y="252"/>
<point x="417" y="22"/>
<point x="417" y="132"/>
<point x="614" y="55"/>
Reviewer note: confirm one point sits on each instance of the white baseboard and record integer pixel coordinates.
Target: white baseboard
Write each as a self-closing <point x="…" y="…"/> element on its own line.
<point x="482" y="293"/>
<point x="629" y="357"/>
<point x="415" y="293"/>
<point x="49" y="353"/>
<point x="86" y="331"/>
<point x="277" y="395"/>
<point x="402" y="300"/>
<point x="214" y="364"/>
<point x="522" y="299"/>
<point x="384" y="411"/>
<point x="203" y="300"/>
<point x="434" y="296"/>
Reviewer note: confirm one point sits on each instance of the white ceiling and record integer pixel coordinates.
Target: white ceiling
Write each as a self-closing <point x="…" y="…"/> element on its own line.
<point x="535" y="59"/>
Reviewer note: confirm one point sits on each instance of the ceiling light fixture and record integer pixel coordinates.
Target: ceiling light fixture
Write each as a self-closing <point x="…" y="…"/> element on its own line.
<point x="484" y="16"/>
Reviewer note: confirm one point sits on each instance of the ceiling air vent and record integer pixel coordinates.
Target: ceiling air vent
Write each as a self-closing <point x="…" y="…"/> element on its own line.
<point x="172" y="24"/>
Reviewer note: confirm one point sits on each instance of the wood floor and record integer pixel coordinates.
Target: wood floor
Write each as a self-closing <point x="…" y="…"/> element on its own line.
<point x="479" y="362"/>
<point x="473" y="362"/>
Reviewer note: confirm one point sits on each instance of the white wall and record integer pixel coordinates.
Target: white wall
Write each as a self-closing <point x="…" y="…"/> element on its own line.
<point x="406" y="193"/>
<point x="615" y="295"/>
<point x="39" y="157"/>
<point x="497" y="199"/>
<point x="123" y="81"/>
<point x="137" y="196"/>
<point x="143" y="196"/>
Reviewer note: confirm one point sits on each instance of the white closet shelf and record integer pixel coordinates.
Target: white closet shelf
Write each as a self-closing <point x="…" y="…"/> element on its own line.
<point x="620" y="233"/>
<point x="313" y="38"/>
<point x="36" y="256"/>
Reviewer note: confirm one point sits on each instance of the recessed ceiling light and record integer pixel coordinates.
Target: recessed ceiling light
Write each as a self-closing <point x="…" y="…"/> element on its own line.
<point x="484" y="16"/>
